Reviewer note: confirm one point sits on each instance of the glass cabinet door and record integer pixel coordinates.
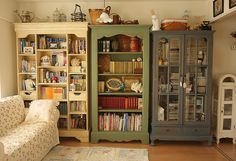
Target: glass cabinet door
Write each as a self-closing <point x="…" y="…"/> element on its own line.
<point x="227" y="109"/>
<point x="195" y="79"/>
<point x="168" y="63"/>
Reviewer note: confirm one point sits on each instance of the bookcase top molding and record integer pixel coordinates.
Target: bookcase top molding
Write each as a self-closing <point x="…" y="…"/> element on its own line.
<point x="52" y="27"/>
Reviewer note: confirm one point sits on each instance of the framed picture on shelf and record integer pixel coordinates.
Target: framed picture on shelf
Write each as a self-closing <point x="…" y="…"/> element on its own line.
<point x="232" y="3"/>
<point x="218" y="7"/>
<point x="128" y="81"/>
<point x="28" y="50"/>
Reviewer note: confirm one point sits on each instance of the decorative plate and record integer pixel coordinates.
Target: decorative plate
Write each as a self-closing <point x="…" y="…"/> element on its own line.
<point x="114" y="84"/>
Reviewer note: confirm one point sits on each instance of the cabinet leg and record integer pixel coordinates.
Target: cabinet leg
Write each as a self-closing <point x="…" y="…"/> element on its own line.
<point x="217" y="141"/>
<point x="153" y="142"/>
<point x="210" y="141"/>
<point x="234" y="141"/>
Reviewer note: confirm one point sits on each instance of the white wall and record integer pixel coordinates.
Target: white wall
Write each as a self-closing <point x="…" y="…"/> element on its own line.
<point x="7" y="49"/>
<point x="128" y="10"/>
<point x="224" y="59"/>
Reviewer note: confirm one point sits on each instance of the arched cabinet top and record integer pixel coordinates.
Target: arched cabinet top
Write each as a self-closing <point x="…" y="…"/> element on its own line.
<point x="227" y="78"/>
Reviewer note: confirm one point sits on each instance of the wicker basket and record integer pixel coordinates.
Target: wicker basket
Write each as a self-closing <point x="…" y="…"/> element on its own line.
<point x="174" y="24"/>
<point x="94" y="15"/>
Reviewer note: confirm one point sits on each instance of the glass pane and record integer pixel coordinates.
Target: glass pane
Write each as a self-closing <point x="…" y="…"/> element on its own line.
<point x="173" y="108"/>
<point x="200" y="108"/>
<point x="228" y="94"/>
<point x="190" y="57"/>
<point x="189" y="108"/>
<point x="202" y="51"/>
<point x="169" y="51"/>
<point x="190" y="79"/>
<point x="201" y="80"/>
<point x="163" y="80"/>
<point x="174" y="79"/>
<point x="228" y="109"/>
<point x="227" y="124"/>
<point x="174" y="51"/>
<point x="162" y="108"/>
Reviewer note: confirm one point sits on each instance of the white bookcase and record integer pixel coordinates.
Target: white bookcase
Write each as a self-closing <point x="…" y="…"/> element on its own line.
<point x="225" y="112"/>
<point x="52" y="63"/>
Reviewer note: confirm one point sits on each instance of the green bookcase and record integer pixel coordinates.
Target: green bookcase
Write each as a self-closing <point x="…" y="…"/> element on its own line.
<point x="120" y="55"/>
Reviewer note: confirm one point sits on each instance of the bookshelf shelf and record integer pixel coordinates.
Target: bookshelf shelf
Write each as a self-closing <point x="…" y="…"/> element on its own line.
<point x="52" y="84"/>
<point x="49" y="52"/>
<point x="26" y="73"/>
<point x="76" y="73"/>
<point x="109" y="74"/>
<point x="28" y="55"/>
<point x="79" y="55"/>
<point x="120" y="94"/>
<point x="119" y="66"/>
<point x="120" y="110"/>
<point x="63" y="116"/>
<point x="52" y="67"/>
<point x="122" y="53"/>
<point x="79" y="113"/>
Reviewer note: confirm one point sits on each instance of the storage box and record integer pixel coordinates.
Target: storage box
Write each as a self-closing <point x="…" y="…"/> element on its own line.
<point x="174" y="24"/>
<point x="31" y="95"/>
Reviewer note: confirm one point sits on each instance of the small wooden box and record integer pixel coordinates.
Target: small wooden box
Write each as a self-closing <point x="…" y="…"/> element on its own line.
<point x="77" y="96"/>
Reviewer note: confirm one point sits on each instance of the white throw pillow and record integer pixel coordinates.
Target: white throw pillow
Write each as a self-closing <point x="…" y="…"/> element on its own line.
<point x="40" y="110"/>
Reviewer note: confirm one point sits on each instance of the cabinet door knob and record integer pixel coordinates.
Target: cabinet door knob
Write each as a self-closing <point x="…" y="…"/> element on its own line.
<point x="167" y="130"/>
<point x="195" y="130"/>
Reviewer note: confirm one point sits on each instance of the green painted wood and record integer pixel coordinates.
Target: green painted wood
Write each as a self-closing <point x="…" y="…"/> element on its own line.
<point x="97" y="32"/>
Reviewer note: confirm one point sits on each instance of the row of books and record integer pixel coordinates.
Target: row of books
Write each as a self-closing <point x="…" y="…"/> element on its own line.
<point x="47" y="76"/>
<point x="28" y="84"/>
<point x="46" y="42"/>
<point x="104" y="45"/>
<point x="62" y="123"/>
<point x="62" y="108"/>
<point x="28" y="66"/>
<point x="119" y="122"/>
<point x="78" y="121"/>
<point x="78" y="106"/>
<point x="53" y="93"/>
<point x="126" y="67"/>
<point x="77" y="46"/>
<point x="26" y="43"/>
<point x="105" y="102"/>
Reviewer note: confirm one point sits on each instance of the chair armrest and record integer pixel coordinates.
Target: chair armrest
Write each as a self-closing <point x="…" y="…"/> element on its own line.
<point x="2" y="155"/>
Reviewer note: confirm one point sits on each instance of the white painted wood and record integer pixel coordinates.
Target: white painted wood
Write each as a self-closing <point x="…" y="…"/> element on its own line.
<point x="222" y="87"/>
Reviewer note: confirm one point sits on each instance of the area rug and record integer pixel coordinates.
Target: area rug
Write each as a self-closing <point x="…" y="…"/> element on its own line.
<point x="67" y="153"/>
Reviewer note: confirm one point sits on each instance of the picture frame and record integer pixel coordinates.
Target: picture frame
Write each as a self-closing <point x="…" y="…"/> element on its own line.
<point x="232" y="3"/>
<point x="28" y="50"/>
<point x="128" y="81"/>
<point x="218" y="7"/>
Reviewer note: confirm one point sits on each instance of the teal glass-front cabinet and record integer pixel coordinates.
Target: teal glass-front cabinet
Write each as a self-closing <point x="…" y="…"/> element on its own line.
<point x="181" y="85"/>
<point x="120" y="82"/>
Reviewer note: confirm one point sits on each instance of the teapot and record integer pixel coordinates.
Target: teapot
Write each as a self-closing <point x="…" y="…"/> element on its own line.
<point x="25" y="16"/>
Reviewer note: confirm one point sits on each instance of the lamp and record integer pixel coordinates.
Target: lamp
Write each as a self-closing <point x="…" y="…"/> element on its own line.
<point x="104" y="17"/>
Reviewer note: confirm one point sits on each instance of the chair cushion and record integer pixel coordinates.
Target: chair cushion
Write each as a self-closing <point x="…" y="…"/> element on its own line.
<point x="40" y="110"/>
<point x="12" y="113"/>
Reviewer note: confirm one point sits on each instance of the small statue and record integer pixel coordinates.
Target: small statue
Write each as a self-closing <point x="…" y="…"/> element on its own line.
<point x="155" y="22"/>
<point x="137" y="87"/>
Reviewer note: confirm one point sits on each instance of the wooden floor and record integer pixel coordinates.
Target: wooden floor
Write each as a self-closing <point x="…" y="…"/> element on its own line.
<point x="164" y="151"/>
<point x="227" y="148"/>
